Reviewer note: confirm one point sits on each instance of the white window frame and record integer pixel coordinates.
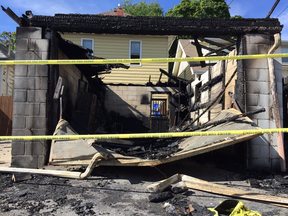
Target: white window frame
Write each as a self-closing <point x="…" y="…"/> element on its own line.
<point x="130" y="42"/>
<point x="91" y="39"/>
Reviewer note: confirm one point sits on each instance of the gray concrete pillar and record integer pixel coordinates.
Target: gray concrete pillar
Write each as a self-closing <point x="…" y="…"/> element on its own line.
<point x="263" y="150"/>
<point x="30" y="89"/>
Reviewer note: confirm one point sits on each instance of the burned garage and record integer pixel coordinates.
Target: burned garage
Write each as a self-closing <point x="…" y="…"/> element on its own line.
<point x="146" y="97"/>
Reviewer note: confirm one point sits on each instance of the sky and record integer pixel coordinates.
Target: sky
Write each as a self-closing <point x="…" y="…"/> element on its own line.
<point x="245" y="8"/>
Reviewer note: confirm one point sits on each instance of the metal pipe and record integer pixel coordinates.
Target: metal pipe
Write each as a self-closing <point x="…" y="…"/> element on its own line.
<point x="273" y="86"/>
<point x="65" y="174"/>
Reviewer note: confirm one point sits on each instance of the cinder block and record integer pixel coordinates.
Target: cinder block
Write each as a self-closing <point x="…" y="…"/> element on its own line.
<point x="26" y="109"/>
<point x="259" y="164"/>
<point x="18" y="148"/>
<point x="257" y="74"/>
<point x="130" y="93"/>
<point x="131" y="98"/>
<point x="20" y="95"/>
<point x="40" y="132"/>
<point x="28" y="32"/>
<point x="37" y="71"/>
<point x="42" y="109"/>
<point x="35" y="148"/>
<point x="274" y="152"/>
<point x="21" y="132"/>
<point x="41" y="83"/>
<point x="42" y="55"/>
<point x="25" y="161"/>
<point x="253" y="151"/>
<point x="38" y="96"/>
<point x="252" y="49"/>
<point x="21" y="70"/>
<point x="36" y="122"/>
<point x="41" y="161"/>
<point x="263" y="49"/>
<point x="258" y="100"/>
<point x="256" y="63"/>
<point x="266" y="123"/>
<point x="257" y="39"/>
<point x="275" y="164"/>
<point x="254" y="87"/>
<point x="259" y="141"/>
<point x="24" y="83"/>
<point x="122" y="88"/>
<point x="39" y="45"/>
<point x="133" y="88"/>
<point x="26" y="55"/>
<point x="264" y="151"/>
<point x="19" y="122"/>
<point x="22" y="45"/>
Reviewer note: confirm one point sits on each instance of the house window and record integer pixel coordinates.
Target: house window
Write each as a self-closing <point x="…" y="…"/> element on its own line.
<point x="285" y="59"/>
<point x="87" y="43"/>
<point x="135" y="51"/>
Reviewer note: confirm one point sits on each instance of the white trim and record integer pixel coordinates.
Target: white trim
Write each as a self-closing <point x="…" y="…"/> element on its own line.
<point x="130" y="41"/>
<point x="91" y="39"/>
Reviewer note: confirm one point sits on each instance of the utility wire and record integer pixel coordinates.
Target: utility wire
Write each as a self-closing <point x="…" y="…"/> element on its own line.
<point x="225" y="8"/>
<point x="282" y="11"/>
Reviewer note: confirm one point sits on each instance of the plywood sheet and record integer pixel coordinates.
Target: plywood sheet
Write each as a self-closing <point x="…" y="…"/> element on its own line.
<point x="80" y="153"/>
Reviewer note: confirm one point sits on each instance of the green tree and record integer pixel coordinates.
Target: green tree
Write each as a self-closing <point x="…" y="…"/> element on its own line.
<point x="142" y="8"/>
<point x="5" y="38"/>
<point x="200" y="9"/>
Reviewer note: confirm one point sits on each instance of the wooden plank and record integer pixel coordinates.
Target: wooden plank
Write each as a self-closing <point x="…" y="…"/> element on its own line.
<point x="6" y="115"/>
<point x="199" y="184"/>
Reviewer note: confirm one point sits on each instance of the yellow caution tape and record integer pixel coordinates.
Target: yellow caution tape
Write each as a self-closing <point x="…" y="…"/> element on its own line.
<point x="147" y="60"/>
<point x="146" y="135"/>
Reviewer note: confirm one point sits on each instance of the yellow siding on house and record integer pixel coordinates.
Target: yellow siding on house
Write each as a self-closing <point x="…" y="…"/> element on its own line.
<point x="117" y="47"/>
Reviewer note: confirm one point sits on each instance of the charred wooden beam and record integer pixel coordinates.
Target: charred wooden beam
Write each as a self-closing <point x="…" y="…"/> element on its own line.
<point x="211" y="82"/>
<point x="199" y="51"/>
<point x="210" y="49"/>
<point x="176" y="79"/>
<point x="155" y="25"/>
<point x="12" y="15"/>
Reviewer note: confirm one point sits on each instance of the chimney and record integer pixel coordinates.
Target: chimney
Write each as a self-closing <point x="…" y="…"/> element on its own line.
<point x="119" y="10"/>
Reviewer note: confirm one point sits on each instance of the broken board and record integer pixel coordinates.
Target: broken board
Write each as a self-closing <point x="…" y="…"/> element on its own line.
<point x="79" y="152"/>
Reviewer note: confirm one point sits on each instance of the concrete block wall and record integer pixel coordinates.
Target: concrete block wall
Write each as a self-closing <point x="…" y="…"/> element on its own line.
<point x="262" y="151"/>
<point x="30" y="89"/>
<point x="132" y="101"/>
<point x="70" y="76"/>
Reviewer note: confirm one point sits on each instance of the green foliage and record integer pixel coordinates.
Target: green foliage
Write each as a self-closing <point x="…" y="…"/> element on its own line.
<point x="142" y="8"/>
<point x="237" y="17"/>
<point x="5" y="37"/>
<point x="200" y="9"/>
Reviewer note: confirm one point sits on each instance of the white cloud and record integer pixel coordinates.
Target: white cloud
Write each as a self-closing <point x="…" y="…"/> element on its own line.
<point x="237" y="9"/>
<point x="283" y="18"/>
